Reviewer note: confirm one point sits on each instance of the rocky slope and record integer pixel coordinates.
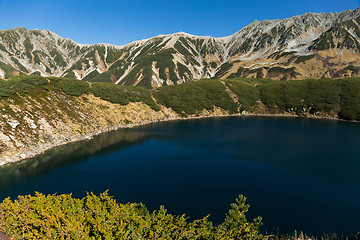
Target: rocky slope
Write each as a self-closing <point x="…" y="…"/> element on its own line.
<point x="39" y="113"/>
<point x="32" y="124"/>
<point x="312" y="45"/>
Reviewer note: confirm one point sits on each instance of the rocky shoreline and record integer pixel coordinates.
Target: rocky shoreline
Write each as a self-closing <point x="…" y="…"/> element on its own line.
<point x="63" y="120"/>
<point x="44" y="125"/>
<point x="172" y="117"/>
<point x="22" y="156"/>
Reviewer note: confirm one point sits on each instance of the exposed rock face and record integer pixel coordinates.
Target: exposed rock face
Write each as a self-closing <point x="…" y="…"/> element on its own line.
<point x="56" y="119"/>
<point x="306" y="46"/>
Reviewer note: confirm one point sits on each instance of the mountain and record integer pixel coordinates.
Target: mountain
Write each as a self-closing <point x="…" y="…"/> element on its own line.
<point x="312" y="45"/>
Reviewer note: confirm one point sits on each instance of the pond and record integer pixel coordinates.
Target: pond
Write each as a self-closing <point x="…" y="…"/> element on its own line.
<point x="298" y="174"/>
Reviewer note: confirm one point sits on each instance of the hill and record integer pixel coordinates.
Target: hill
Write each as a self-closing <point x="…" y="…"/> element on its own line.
<point x="38" y="113"/>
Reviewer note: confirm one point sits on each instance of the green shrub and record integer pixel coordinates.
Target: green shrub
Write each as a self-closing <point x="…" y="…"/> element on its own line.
<point x="322" y="94"/>
<point x="100" y="217"/>
<point x="192" y="98"/>
<point x="22" y="68"/>
<point x="91" y="75"/>
<point x="287" y="72"/>
<point x="21" y="84"/>
<point x="303" y="59"/>
<point x="34" y="80"/>
<point x="350" y="99"/>
<point x="315" y="95"/>
<point x="123" y="94"/>
<point x="70" y="74"/>
<point x="224" y="68"/>
<point x="9" y="70"/>
<point x="5" y="89"/>
<point x="216" y="93"/>
<point x="36" y="73"/>
<point x="271" y="96"/>
<point x="213" y="64"/>
<point x="73" y="87"/>
<point x="184" y="99"/>
<point x="247" y="93"/>
<point x="283" y="96"/>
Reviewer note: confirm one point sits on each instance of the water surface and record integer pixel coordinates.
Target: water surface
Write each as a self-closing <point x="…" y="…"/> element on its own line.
<point x="298" y="174"/>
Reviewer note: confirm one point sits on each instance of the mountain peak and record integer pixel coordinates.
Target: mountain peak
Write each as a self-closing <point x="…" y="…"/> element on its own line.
<point x="20" y="29"/>
<point x="303" y="46"/>
<point x="183" y="34"/>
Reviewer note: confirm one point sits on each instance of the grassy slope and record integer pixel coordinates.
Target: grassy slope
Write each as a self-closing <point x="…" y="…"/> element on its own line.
<point x="24" y="85"/>
<point x="37" y="113"/>
<point x="325" y="97"/>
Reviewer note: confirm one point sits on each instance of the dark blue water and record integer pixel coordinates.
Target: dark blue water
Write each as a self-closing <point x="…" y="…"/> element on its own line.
<point x="298" y="174"/>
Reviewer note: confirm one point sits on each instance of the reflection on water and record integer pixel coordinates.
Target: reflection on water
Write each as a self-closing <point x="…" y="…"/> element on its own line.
<point x="298" y="174"/>
<point x="314" y="148"/>
<point x="69" y="154"/>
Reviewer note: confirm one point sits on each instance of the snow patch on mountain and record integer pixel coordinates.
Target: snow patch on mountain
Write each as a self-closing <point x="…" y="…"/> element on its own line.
<point x="200" y="56"/>
<point x="127" y="71"/>
<point x="156" y="81"/>
<point x="2" y="74"/>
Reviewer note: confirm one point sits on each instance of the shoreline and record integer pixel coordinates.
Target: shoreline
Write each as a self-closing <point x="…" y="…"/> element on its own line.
<point x="16" y="158"/>
<point x="236" y="116"/>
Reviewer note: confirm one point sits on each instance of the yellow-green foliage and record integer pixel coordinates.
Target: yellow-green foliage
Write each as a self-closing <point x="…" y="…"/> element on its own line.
<point x="25" y="85"/>
<point x="100" y="217"/>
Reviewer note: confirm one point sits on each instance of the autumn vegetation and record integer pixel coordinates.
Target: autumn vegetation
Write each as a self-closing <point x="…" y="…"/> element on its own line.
<point x="101" y="217"/>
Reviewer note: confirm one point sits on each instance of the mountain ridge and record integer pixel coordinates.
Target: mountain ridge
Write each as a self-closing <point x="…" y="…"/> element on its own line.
<point x="311" y="45"/>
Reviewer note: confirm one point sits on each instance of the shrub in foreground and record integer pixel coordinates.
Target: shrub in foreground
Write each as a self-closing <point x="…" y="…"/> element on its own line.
<point x="100" y="217"/>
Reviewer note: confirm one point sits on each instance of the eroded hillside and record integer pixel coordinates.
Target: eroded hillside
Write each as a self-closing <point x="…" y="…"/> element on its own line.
<point x="312" y="45"/>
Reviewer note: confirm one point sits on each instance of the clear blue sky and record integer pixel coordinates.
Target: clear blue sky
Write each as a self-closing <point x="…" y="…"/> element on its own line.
<point x="120" y="22"/>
